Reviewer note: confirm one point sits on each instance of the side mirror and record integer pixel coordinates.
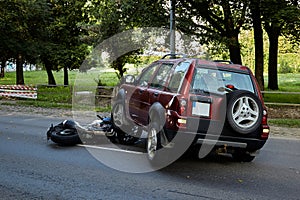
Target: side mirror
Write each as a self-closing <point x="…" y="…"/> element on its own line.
<point x="128" y="79"/>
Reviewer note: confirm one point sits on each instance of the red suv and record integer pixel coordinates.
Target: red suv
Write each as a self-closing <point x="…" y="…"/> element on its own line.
<point x="195" y="102"/>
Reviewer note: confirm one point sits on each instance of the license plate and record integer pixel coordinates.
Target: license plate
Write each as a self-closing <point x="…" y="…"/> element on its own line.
<point x="201" y="109"/>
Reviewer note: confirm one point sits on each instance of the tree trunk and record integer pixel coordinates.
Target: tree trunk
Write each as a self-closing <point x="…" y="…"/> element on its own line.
<point x="235" y="50"/>
<point x="51" y="79"/>
<point x="259" y="43"/>
<point x="232" y="34"/>
<point x="19" y="70"/>
<point x="118" y="65"/>
<point x="273" y="60"/>
<point x="66" y="76"/>
<point x="3" y="64"/>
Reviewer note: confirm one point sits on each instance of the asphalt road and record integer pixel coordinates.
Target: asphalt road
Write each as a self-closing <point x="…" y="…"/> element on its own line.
<point x="32" y="168"/>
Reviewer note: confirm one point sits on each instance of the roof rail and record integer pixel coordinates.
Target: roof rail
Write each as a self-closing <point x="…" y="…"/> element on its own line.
<point x="174" y="55"/>
<point x="223" y="61"/>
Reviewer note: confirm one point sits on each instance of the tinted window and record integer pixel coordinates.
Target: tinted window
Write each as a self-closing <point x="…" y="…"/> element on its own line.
<point x="177" y="77"/>
<point x="146" y="75"/>
<point x="161" y="76"/>
<point x="211" y="80"/>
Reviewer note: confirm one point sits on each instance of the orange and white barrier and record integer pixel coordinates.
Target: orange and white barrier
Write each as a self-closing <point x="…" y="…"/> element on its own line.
<point x="19" y="91"/>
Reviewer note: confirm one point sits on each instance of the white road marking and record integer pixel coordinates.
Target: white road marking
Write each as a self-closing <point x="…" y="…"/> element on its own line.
<point x="110" y="149"/>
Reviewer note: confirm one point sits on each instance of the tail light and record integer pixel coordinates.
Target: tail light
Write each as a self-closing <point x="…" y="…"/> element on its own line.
<point x="265" y="127"/>
<point x="182" y="106"/>
<point x="265" y="118"/>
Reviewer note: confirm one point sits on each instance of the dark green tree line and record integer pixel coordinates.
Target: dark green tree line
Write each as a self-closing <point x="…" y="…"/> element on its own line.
<point x="218" y="22"/>
<point x="57" y="32"/>
<point x="42" y="31"/>
<point x="221" y="21"/>
<point x="21" y="25"/>
<point x="63" y="46"/>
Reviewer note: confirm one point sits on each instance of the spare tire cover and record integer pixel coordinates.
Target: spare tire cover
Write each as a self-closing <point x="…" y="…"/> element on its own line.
<point x="244" y="111"/>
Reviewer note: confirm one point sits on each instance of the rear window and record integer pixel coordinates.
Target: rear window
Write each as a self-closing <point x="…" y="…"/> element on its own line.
<point x="213" y="80"/>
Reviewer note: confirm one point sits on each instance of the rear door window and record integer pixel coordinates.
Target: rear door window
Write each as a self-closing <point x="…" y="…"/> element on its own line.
<point x="161" y="77"/>
<point x="177" y="77"/>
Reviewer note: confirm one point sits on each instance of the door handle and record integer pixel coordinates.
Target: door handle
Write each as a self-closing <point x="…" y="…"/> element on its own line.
<point x="155" y="94"/>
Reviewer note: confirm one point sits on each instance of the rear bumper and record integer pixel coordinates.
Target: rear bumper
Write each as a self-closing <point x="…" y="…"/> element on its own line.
<point x="217" y="140"/>
<point x="222" y="143"/>
<point x="250" y="144"/>
<point x="217" y="133"/>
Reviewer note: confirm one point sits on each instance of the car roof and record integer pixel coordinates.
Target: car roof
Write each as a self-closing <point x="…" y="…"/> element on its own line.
<point x="223" y="65"/>
<point x="220" y="64"/>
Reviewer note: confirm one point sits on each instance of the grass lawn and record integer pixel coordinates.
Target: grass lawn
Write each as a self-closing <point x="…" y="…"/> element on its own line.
<point x="291" y="123"/>
<point x="287" y="83"/>
<point x="59" y="96"/>
<point x="37" y="78"/>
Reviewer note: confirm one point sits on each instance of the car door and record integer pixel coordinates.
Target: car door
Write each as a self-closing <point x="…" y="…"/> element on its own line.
<point x="158" y="83"/>
<point x="139" y="100"/>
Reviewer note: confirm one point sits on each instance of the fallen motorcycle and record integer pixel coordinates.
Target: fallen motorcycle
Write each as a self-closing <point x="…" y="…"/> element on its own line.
<point x="70" y="132"/>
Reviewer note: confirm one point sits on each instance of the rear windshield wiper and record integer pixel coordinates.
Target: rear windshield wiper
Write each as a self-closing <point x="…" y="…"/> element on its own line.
<point x="199" y="91"/>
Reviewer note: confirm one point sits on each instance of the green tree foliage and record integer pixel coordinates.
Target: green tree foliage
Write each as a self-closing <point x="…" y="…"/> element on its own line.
<point x="63" y="46"/>
<point x="288" y="55"/>
<point x="21" y="24"/>
<point x="108" y="18"/>
<point x="42" y="30"/>
<point x="288" y="52"/>
<point x="218" y="22"/>
<point x="279" y="17"/>
<point x="55" y="32"/>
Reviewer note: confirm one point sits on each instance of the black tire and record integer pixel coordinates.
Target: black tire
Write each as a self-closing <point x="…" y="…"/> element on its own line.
<point x="64" y="136"/>
<point x="242" y="156"/>
<point x="125" y="138"/>
<point x="244" y="111"/>
<point x="112" y="137"/>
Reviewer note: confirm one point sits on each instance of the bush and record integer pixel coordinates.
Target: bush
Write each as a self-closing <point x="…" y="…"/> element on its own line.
<point x="284" y="67"/>
<point x="297" y="69"/>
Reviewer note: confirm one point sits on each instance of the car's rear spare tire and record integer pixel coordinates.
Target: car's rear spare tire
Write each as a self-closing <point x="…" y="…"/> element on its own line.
<point x="244" y="111"/>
